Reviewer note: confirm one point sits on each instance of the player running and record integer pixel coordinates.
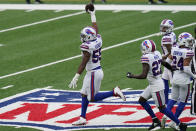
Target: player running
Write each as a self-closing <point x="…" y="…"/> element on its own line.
<point x="167" y="42"/>
<point x="181" y="58"/>
<point x="152" y="61"/>
<point x="91" y="51"/>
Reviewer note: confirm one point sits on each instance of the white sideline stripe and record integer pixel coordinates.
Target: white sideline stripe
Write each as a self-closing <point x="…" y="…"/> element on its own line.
<point x="77" y="56"/>
<point x="1" y="45"/>
<point x="2" y="9"/>
<point x="7" y="87"/>
<point x="43" y="21"/>
<point x="98" y="7"/>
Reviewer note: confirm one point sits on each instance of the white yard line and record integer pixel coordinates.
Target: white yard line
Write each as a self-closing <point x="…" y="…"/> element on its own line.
<point x="48" y="87"/>
<point x="43" y="21"/>
<point x="98" y="7"/>
<point x="104" y="49"/>
<point x="145" y="11"/>
<point x="6" y="87"/>
<point x="30" y="10"/>
<point x="116" y="11"/>
<point x="114" y="8"/>
<point x="56" y="11"/>
<point x="175" y="11"/>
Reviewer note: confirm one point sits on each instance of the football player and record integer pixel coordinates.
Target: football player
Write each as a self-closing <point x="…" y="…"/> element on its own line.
<point x="167" y="42"/>
<point x="180" y="59"/>
<point x="151" y="61"/>
<point x="91" y="51"/>
<point x="193" y="91"/>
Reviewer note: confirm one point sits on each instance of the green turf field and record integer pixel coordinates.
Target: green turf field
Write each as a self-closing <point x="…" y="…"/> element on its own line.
<point x="44" y="43"/>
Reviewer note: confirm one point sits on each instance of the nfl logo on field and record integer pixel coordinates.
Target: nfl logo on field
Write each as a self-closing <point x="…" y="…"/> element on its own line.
<point x="49" y="109"/>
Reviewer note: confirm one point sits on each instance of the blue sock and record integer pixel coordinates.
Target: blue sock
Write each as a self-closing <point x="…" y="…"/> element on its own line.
<point x="166" y="91"/>
<point x="148" y="108"/>
<point x="169" y="114"/>
<point x="101" y="96"/>
<point x="180" y="108"/>
<point x="170" y="104"/>
<point x="84" y="106"/>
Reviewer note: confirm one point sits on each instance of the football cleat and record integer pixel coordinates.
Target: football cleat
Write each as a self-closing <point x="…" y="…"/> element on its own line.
<point x="162" y="2"/>
<point x="118" y="92"/>
<point x="183" y="126"/>
<point x="155" y="124"/>
<point x="172" y="125"/>
<point x="151" y="2"/>
<point x="163" y="121"/>
<point x="81" y="121"/>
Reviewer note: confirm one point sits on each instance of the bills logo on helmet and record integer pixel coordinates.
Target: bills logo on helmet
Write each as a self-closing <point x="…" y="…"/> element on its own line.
<point x="171" y="23"/>
<point x="89" y="32"/>
<point x="48" y="109"/>
<point x="146" y="44"/>
<point x="185" y="36"/>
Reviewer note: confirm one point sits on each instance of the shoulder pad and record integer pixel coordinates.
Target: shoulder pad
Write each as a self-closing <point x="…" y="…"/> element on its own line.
<point x="189" y="53"/>
<point x="166" y="39"/>
<point x="144" y="59"/>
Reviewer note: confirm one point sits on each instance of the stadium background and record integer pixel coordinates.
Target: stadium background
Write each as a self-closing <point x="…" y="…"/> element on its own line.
<point x="37" y="45"/>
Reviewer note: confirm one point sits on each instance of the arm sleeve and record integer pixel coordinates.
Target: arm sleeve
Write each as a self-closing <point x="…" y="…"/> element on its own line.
<point x="189" y="54"/>
<point x="84" y="47"/>
<point x="144" y="59"/>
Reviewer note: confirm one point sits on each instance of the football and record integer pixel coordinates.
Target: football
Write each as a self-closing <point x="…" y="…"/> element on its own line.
<point x="89" y="7"/>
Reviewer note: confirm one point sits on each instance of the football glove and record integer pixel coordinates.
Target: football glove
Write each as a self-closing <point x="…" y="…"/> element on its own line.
<point x="129" y="75"/>
<point x="74" y="81"/>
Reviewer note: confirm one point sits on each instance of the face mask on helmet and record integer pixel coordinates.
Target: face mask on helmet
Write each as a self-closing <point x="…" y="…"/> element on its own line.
<point x="88" y="34"/>
<point x="166" y="26"/>
<point x="186" y="39"/>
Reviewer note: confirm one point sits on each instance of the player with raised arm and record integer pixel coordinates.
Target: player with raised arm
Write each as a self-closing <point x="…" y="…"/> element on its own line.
<point x="181" y="58"/>
<point x="91" y="57"/>
<point x="151" y="61"/>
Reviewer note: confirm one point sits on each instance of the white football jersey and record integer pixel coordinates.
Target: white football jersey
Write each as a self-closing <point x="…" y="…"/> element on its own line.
<point x="178" y="55"/>
<point x="168" y="39"/>
<point x="94" y="48"/>
<point x="154" y="74"/>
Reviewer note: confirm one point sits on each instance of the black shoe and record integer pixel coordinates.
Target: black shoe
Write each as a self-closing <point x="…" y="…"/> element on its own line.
<point x="195" y="33"/>
<point x="155" y="123"/>
<point x="39" y="1"/>
<point x="162" y="1"/>
<point x="152" y="2"/>
<point x="104" y="1"/>
<point x="183" y="126"/>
